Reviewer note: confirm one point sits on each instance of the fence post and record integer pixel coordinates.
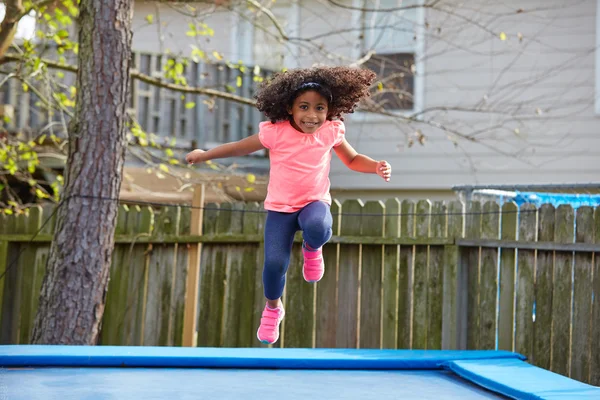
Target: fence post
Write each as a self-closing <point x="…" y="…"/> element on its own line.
<point x="194" y="253"/>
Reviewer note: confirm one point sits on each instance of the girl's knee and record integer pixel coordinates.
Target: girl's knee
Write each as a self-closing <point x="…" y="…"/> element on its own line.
<point x="276" y="265"/>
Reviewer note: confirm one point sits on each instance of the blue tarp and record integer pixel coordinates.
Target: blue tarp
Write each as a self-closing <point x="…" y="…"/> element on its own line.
<point x="556" y="199"/>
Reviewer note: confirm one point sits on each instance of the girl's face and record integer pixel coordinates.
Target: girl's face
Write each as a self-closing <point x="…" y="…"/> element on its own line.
<point x="308" y="112"/>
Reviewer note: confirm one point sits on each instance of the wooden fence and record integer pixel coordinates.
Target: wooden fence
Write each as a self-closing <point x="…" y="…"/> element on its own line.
<point x="399" y="274"/>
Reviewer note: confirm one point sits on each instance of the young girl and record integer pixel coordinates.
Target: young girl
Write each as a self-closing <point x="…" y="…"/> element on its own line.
<point x="305" y="107"/>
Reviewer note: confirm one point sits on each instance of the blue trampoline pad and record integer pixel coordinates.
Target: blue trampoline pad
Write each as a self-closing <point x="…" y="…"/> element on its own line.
<point x="109" y="372"/>
<point x="179" y="383"/>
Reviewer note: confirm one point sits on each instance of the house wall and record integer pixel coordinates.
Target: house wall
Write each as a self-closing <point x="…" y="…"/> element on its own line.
<point x="552" y="70"/>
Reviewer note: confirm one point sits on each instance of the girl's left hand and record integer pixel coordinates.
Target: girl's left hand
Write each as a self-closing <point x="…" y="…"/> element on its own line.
<point x="384" y="170"/>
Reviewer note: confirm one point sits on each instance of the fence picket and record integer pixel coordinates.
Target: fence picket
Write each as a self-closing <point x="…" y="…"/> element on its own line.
<point x="435" y="278"/>
<point x="246" y="335"/>
<point x="542" y="326"/>
<point x="29" y="275"/>
<point x="488" y="282"/>
<point x="234" y="287"/>
<point x="561" y="302"/>
<point x="160" y="286"/>
<point x="326" y="305"/>
<point x="259" y="294"/>
<point x="391" y="258"/>
<point x="347" y="325"/>
<point x="452" y="295"/>
<point x="405" y="277"/>
<point x="421" y="276"/>
<point x="207" y="320"/>
<point x="371" y="276"/>
<point x="471" y="257"/>
<point x="595" y="348"/>
<point x="180" y="280"/>
<point x="112" y="321"/>
<point x="582" y="297"/>
<point x="524" y="332"/>
<point x="506" y="310"/>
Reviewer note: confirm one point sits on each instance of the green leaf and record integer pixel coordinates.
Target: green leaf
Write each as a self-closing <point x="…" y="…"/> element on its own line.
<point x="169" y="152"/>
<point x="150" y="18"/>
<point x="25" y="87"/>
<point x="190" y="104"/>
<point x="239" y="81"/>
<point x="163" y="167"/>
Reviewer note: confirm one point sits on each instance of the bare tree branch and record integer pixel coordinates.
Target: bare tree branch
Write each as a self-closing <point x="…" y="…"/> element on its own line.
<point x="150" y="80"/>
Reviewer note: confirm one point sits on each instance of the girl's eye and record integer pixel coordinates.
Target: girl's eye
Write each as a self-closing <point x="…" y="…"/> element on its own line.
<point x="320" y="108"/>
<point x="303" y="107"/>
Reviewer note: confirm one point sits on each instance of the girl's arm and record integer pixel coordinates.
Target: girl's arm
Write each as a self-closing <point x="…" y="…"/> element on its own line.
<point x="361" y="163"/>
<point x="232" y="149"/>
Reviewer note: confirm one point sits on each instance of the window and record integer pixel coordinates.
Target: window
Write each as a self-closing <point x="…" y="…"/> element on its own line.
<point x="395" y="74"/>
<point x="396" y="37"/>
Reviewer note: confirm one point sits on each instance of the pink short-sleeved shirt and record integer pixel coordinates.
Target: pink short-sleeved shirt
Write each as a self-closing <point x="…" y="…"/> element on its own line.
<point x="300" y="163"/>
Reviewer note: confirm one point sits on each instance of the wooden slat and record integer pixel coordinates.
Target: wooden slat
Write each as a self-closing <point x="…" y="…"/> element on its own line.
<point x="259" y="293"/>
<point x="561" y="302"/>
<point x="27" y="266"/>
<point x="212" y="279"/>
<point x="233" y="300"/>
<point x="193" y="272"/>
<point x="114" y="311"/>
<point x="507" y="278"/>
<point x="347" y="331"/>
<point x="451" y="312"/>
<point x="391" y="259"/>
<point x="141" y="221"/>
<point x="299" y="302"/>
<point x="595" y="350"/>
<point x="435" y="299"/>
<point x="488" y="291"/>
<point x="405" y="277"/>
<point x="471" y="258"/>
<point x="161" y="274"/>
<point x="246" y="334"/>
<point x="524" y="333"/>
<point x="582" y="297"/>
<point x="180" y="280"/>
<point x="421" y="277"/>
<point x="371" y="274"/>
<point x="542" y="326"/>
<point x="326" y="306"/>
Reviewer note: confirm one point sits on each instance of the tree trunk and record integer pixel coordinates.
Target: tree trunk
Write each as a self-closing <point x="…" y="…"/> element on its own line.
<point x="74" y="289"/>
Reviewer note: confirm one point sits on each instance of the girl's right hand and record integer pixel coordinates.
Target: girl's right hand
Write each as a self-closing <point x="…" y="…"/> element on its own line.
<point x="195" y="156"/>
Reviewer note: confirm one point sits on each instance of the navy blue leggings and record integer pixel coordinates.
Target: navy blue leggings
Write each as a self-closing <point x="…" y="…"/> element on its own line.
<point x="314" y="221"/>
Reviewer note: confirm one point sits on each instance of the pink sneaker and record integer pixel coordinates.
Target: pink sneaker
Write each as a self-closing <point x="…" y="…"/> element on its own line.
<point x="268" y="331"/>
<point x="314" y="267"/>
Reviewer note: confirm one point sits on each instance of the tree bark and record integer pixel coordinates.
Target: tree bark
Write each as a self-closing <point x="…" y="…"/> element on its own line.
<point x="74" y="289"/>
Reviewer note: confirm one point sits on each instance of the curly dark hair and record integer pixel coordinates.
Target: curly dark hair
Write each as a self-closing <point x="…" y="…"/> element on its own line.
<point x="344" y="87"/>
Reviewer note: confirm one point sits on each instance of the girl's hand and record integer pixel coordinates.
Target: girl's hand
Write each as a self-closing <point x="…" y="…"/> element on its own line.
<point x="195" y="156"/>
<point x="384" y="170"/>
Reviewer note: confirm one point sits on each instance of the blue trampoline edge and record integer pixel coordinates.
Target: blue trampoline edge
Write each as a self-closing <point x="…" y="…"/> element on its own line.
<point x="174" y="357"/>
<point x="503" y="372"/>
<point x="518" y="379"/>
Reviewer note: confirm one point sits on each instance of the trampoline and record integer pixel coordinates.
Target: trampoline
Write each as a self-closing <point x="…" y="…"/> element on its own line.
<point x="121" y="372"/>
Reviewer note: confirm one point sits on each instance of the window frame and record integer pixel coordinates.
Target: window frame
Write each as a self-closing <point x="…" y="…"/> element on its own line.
<point x="419" y="77"/>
